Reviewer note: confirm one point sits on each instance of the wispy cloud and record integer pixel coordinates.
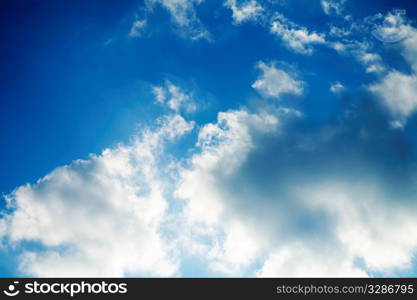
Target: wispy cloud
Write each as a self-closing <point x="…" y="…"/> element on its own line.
<point x="244" y="11"/>
<point x="332" y="6"/>
<point x="295" y="37"/>
<point x="174" y="97"/>
<point x="184" y="16"/>
<point x="137" y="28"/>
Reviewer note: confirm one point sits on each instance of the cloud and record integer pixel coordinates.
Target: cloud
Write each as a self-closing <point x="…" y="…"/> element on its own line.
<point x="371" y="61"/>
<point x="278" y="194"/>
<point x="274" y="82"/>
<point x="339" y="32"/>
<point x="99" y="217"/>
<point x="173" y="97"/>
<point x="366" y="226"/>
<point x="183" y="14"/>
<point x="355" y="39"/>
<point x="372" y="227"/>
<point x="397" y="92"/>
<point x="295" y="37"/>
<point x="363" y="52"/>
<point x="331" y="7"/>
<point x="137" y="28"/>
<point x="298" y="260"/>
<point x="337" y="87"/>
<point x="393" y="29"/>
<point x="263" y="193"/>
<point x="228" y="241"/>
<point x="244" y="11"/>
<point x="268" y="191"/>
<point x="409" y="47"/>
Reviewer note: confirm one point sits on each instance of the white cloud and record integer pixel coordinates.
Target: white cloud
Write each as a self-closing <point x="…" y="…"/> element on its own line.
<point x="275" y="82"/>
<point x="238" y="249"/>
<point x="182" y="11"/>
<point x="115" y="207"/>
<point x="295" y="37"/>
<point x="342" y="39"/>
<point x="378" y="230"/>
<point x="365" y="226"/>
<point x="300" y="260"/>
<point x="332" y="6"/>
<point x="173" y="97"/>
<point x="394" y="27"/>
<point x="238" y="223"/>
<point x="184" y="15"/>
<point x="371" y="61"/>
<point x="397" y="92"/>
<point x="3" y="231"/>
<point x="339" y="32"/>
<point x="137" y="28"/>
<point x="362" y="52"/>
<point x="337" y="87"/>
<point x="159" y="93"/>
<point x="99" y="217"/>
<point x="228" y="241"/>
<point x="409" y="47"/>
<point x="244" y="11"/>
<point x="228" y="140"/>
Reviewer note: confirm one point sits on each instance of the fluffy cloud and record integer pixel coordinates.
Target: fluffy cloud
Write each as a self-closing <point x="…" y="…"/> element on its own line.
<point x="228" y="140"/>
<point x="274" y="82"/>
<point x="278" y="196"/>
<point x="258" y="196"/>
<point x="183" y="14"/>
<point x="99" y="217"/>
<point x="397" y="92"/>
<point x="173" y="97"/>
<point x="365" y="226"/>
<point x="369" y="226"/>
<point x="295" y="37"/>
<point x="244" y="11"/>
<point x="226" y="239"/>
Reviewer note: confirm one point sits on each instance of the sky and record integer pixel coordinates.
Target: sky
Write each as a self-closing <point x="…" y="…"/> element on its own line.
<point x="208" y="138"/>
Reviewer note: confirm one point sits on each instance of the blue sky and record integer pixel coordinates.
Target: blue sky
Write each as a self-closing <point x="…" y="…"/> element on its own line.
<point x="208" y="138"/>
